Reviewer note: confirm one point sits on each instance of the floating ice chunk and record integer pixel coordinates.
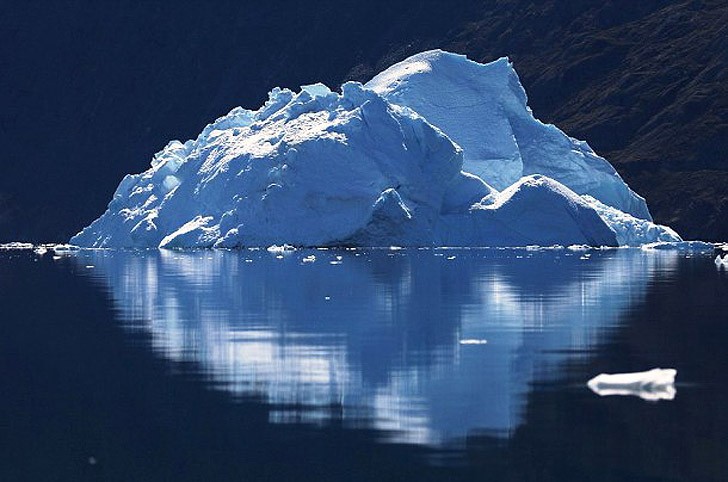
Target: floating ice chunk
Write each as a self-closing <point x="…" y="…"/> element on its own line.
<point x="473" y="341"/>
<point x="64" y="248"/>
<point x="691" y="246"/>
<point x="655" y="384"/>
<point x="285" y="248"/>
<point x="721" y="261"/>
<point x="16" y="245"/>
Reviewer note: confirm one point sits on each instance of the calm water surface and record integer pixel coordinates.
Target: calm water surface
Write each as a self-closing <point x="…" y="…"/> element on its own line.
<point x="359" y="365"/>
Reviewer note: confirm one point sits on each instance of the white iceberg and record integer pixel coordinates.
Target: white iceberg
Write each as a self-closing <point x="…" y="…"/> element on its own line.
<point x="655" y="384"/>
<point x="320" y="168"/>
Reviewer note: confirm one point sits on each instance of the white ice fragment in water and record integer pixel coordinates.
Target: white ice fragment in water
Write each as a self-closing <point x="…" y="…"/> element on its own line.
<point x="309" y="259"/>
<point x="653" y="385"/>
<point x="41" y="250"/>
<point x="683" y="246"/>
<point x="721" y="261"/>
<point x="473" y="341"/>
<point x="16" y="245"/>
<point x="280" y="249"/>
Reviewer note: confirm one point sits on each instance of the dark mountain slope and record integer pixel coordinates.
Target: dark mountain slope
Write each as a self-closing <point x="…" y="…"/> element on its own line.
<point x="89" y="91"/>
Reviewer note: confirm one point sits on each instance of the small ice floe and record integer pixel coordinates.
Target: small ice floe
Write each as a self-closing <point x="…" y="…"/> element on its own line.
<point x="64" y="247"/>
<point x="653" y="385"/>
<point x="15" y="245"/>
<point x="286" y="248"/>
<point x="40" y="250"/>
<point x="721" y="262"/>
<point x="309" y="259"/>
<point x="681" y="246"/>
<point x="473" y="341"/>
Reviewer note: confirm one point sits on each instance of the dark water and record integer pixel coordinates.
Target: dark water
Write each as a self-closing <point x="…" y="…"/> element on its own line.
<point x="359" y="365"/>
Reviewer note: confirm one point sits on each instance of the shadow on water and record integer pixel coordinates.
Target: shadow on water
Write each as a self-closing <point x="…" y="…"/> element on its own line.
<point x="453" y="364"/>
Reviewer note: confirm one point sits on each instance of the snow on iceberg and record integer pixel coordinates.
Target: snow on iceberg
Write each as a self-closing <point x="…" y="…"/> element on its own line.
<point x="655" y="384"/>
<point x="483" y="108"/>
<point x="321" y="168"/>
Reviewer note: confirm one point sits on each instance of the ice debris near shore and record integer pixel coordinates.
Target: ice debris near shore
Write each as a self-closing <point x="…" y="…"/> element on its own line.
<point x="653" y="385"/>
<point x="436" y="150"/>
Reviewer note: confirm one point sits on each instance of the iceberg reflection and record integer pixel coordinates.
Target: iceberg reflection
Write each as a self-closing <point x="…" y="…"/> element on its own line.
<point x="425" y="345"/>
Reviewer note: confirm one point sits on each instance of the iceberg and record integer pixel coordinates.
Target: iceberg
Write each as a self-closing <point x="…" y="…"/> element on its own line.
<point x="370" y="167"/>
<point x="653" y="385"/>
